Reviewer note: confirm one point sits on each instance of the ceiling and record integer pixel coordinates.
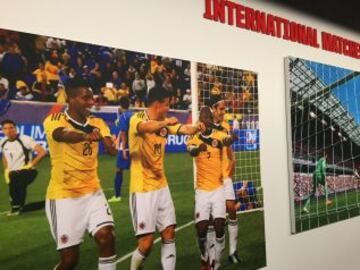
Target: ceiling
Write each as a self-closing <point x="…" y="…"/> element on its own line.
<point x="345" y="12"/>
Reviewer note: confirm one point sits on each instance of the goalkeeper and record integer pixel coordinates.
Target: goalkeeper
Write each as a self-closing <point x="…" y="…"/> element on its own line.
<point x="18" y="164"/>
<point x="318" y="178"/>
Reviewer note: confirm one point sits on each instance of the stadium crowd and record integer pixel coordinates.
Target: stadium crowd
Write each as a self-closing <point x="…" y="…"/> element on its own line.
<point x="36" y="68"/>
<point x="237" y="87"/>
<point x="336" y="183"/>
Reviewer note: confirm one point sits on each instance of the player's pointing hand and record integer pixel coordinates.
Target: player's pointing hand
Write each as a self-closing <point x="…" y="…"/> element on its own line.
<point x="94" y="136"/>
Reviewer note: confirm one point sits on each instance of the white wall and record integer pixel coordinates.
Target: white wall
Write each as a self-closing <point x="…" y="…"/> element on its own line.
<point x="176" y="28"/>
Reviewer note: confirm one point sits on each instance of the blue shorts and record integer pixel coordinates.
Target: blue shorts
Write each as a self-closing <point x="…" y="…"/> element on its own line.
<point x="122" y="163"/>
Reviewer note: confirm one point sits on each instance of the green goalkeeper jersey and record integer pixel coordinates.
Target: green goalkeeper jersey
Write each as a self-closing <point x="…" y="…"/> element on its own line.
<point x="320" y="167"/>
<point x="320" y="172"/>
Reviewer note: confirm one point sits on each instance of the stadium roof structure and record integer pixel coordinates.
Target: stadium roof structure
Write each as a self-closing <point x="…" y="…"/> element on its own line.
<point x="307" y="87"/>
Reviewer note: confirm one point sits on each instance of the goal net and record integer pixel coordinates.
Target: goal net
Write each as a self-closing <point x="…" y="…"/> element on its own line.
<point x="239" y="89"/>
<point x="323" y="102"/>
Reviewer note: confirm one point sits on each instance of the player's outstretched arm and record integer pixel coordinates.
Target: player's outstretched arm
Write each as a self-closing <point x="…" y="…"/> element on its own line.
<point x="195" y="150"/>
<point x="62" y="134"/>
<point x="230" y="139"/>
<point x="152" y="126"/>
<point x="192" y="129"/>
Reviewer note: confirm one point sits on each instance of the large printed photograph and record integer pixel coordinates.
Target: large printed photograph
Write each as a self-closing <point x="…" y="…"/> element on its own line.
<point x="324" y="147"/>
<point x="117" y="145"/>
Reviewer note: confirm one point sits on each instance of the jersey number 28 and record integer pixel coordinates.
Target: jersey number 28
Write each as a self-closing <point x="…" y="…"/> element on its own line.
<point x="87" y="151"/>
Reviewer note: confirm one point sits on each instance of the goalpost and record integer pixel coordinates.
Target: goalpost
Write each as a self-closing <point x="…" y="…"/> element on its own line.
<point x="239" y="89"/>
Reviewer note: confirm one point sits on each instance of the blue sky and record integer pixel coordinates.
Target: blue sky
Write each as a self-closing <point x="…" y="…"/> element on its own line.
<point x="348" y="93"/>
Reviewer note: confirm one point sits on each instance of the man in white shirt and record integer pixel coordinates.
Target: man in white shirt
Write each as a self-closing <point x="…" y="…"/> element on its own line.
<point x="236" y="124"/>
<point x="187" y="99"/>
<point x="18" y="163"/>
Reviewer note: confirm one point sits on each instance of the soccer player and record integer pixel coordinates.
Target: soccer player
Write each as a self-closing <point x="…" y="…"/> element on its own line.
<point x="151" y="204"/>
<point x="218" y="109"/>
<point x="318" y="178"/>
<point x="208" y="149"/>
<point x="75" y="202"/>
<point x="19" y="167"/>
<point x="123" y="159"/>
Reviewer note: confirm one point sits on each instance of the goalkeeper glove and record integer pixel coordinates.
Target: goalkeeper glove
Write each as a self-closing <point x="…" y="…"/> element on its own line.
<point x="7" y="176"/>
<point x="26" y="167"/>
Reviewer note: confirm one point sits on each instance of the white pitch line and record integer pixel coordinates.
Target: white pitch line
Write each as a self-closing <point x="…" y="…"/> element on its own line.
<point x="157" y="240"/>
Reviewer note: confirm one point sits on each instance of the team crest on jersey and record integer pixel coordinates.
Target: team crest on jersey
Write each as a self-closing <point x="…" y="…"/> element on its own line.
<point x="215" y="143"/>
<point x="64" y="239"/>
<point x="142" y="225"/>
<point x="163" y="132"/>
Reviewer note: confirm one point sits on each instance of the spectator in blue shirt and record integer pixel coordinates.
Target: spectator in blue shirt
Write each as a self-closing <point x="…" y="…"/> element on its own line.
<point x="123" y="158"/>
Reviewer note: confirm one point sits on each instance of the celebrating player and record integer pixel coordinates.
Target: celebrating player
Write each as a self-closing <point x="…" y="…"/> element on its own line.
<point x="208" y="149"/>
<point x="151" y="204"/>
<point x="75" y="202"/>
<point x="218" y="109"/>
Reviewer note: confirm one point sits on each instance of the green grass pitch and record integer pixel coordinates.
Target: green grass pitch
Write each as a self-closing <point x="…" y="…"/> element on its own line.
<point x="26" y="243"/>
<point x="345" y="205"/>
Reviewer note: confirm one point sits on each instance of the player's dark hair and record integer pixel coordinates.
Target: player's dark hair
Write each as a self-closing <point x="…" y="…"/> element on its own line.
<point x="7" y="121"/>
<point x="124" y="103"/>
<point x="214" y="101"/>
<point x="73" y="85"/>
<point x="157" y="93"/>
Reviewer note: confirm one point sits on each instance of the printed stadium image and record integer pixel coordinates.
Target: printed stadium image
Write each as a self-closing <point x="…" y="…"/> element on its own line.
<point x="324" y="140"/>
<point x="115" y="159"/>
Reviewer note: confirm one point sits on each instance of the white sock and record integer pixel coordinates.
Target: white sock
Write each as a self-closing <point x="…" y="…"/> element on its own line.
<point x="168" y="255"/>
<point x="219" y="249"/>
<point x="211" y="243"/>
<point x="233" y="229"/>
<point x="137" y="260"/>
<point x="107" y="263"/>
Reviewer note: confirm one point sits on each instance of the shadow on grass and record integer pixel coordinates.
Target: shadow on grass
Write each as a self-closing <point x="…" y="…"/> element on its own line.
<point x="34" y="206"/>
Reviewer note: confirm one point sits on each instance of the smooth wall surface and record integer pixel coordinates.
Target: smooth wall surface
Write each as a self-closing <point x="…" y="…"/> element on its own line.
<point x="176" y="29"/>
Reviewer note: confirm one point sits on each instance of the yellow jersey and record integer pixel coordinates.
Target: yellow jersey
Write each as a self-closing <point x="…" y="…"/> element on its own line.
<point x="147" y="152"/>
<point x="40" y="75"/>
<point x="52" y="71"/>
<point x="216" y="90"/>
<point x="123" y="92"/>
<point x="73" y="165"/>
<point x="109" y="93"/>
<point x="227" y="164"/>
<point x="153" y="66"/>
<point x="209" y="173"/>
